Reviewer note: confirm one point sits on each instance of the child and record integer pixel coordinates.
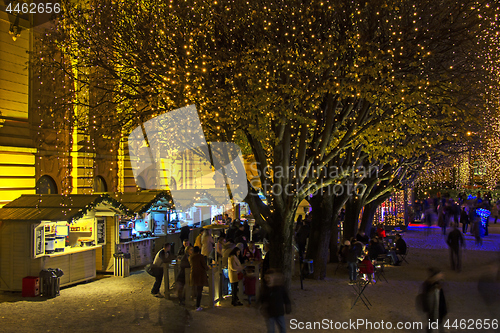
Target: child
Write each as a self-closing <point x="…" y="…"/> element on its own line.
<point x="366" y="268"/>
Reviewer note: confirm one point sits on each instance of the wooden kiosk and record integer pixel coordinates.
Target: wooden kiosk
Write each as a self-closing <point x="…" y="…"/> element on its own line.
<point x="40" y="231"/>
<point x="137" y="233"/>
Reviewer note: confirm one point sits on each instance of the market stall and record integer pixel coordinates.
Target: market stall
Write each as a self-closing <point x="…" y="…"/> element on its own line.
<point x="40" y="231"/>
<point x="198" y="207"/>
<point x="142" y="233"/>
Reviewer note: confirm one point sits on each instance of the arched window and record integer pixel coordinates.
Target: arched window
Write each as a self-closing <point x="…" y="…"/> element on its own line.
<point x="46" y="185"/>
<point x="100" y="185"/>
<point x="141" y="184"/>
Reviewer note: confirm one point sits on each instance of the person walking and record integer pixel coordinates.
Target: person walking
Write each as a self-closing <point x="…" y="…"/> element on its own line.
<point x="433" y="301"/>
<point x="274" y="301"/>
<point x="198" y="276"/>
<point x="162" y="257"/>
<point x="455" y="242"/>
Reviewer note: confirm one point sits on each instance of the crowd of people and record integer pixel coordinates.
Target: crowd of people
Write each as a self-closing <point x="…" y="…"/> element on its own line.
<point x="239" y="257"/>
<point x="360" y="253"/>
<point x="470" y="211"/>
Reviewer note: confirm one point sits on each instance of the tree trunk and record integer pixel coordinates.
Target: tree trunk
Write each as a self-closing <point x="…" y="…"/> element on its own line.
<point x="334" y="237"/>
<point x="319" y="235"/>
<point x="338" y="203"/>
<point x="280" y="241"/>
<point x="367" y="217"/>
<point x="352" y="210"/>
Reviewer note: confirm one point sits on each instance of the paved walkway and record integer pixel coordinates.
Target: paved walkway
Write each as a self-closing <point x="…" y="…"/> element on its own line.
<point x="111" y="304"/>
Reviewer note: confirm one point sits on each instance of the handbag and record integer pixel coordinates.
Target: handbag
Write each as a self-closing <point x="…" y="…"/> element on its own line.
<point x="149" y="269"/>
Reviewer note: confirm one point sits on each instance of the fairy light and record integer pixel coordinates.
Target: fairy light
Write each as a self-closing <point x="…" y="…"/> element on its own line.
<point x="271" y="68"/>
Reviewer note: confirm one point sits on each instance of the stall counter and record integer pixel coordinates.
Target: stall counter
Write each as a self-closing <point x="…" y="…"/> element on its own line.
<point x="141" y="250"/>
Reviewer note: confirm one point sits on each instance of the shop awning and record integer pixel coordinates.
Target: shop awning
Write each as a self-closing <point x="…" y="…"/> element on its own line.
<point x="140" y="202"/>
<point x="60" y="207"/>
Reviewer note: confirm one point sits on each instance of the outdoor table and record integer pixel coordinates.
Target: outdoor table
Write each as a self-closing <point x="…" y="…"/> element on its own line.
<point x="359" y="287"/>
<point x="379" y="265"/>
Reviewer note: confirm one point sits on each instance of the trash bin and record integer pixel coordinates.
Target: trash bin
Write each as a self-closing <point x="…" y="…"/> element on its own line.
<point x="50" y="282"/>
<point x="122" y="264"/>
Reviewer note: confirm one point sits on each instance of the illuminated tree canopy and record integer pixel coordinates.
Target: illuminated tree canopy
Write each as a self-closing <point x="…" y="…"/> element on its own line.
<point x="301" y="83"/>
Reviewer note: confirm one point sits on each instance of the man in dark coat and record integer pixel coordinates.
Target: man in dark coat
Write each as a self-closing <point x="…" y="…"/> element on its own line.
<point x="400" y="245"/>
<point x="185" y="231"/>
<point x="198" y="277"/>
<point x="353" y="254"/>
<point x="274" y="301"/>
<point x="434" y="303"/>
<point x="455" y="242"/>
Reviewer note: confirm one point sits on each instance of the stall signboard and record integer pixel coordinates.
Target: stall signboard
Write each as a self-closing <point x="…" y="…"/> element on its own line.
<point x="158" y="220"/>
<point x="39" y="240"/>
<point x="101" y="231"/>
<point x="159" y="227"/>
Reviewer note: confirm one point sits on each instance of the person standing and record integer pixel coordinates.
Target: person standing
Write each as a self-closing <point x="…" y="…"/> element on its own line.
<point x="353" y="254"/>
<point x="494" y="211"/>
<point x="441" y="219"/>
<point x="455" y="241"/>
<point x="464" y="219"/>
<point x="198" y="276"/>
<point x="301" y="239"/>
<point x="182" y="249"/>
<point x="180" y="280"/>
<point x="497" y="205"/>
<point x="162" y="257"/>
<point x="434" y="302"/>
<point x="274" y="301"/>
<point x="207" y="245"/>
<point x="235" y="270"/>
<point x="185" y="231"/>
<point x="428" y="215"/>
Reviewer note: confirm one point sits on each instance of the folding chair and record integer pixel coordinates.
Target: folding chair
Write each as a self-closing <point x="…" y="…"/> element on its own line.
<point x="359" y="288"/>
<point x="379" y="265"/>
<point x="402" y="256"/>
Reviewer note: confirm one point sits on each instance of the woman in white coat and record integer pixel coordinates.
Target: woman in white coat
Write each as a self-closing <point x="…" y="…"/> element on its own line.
<point x="234" y="267"/>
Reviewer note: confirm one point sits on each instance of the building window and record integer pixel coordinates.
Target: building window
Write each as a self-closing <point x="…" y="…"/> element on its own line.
<point x="100" y="185"/>
<point x="46" y="185"/>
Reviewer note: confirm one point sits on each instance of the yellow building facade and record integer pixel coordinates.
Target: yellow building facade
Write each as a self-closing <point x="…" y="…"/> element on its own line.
<point x="41" y="152"/>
